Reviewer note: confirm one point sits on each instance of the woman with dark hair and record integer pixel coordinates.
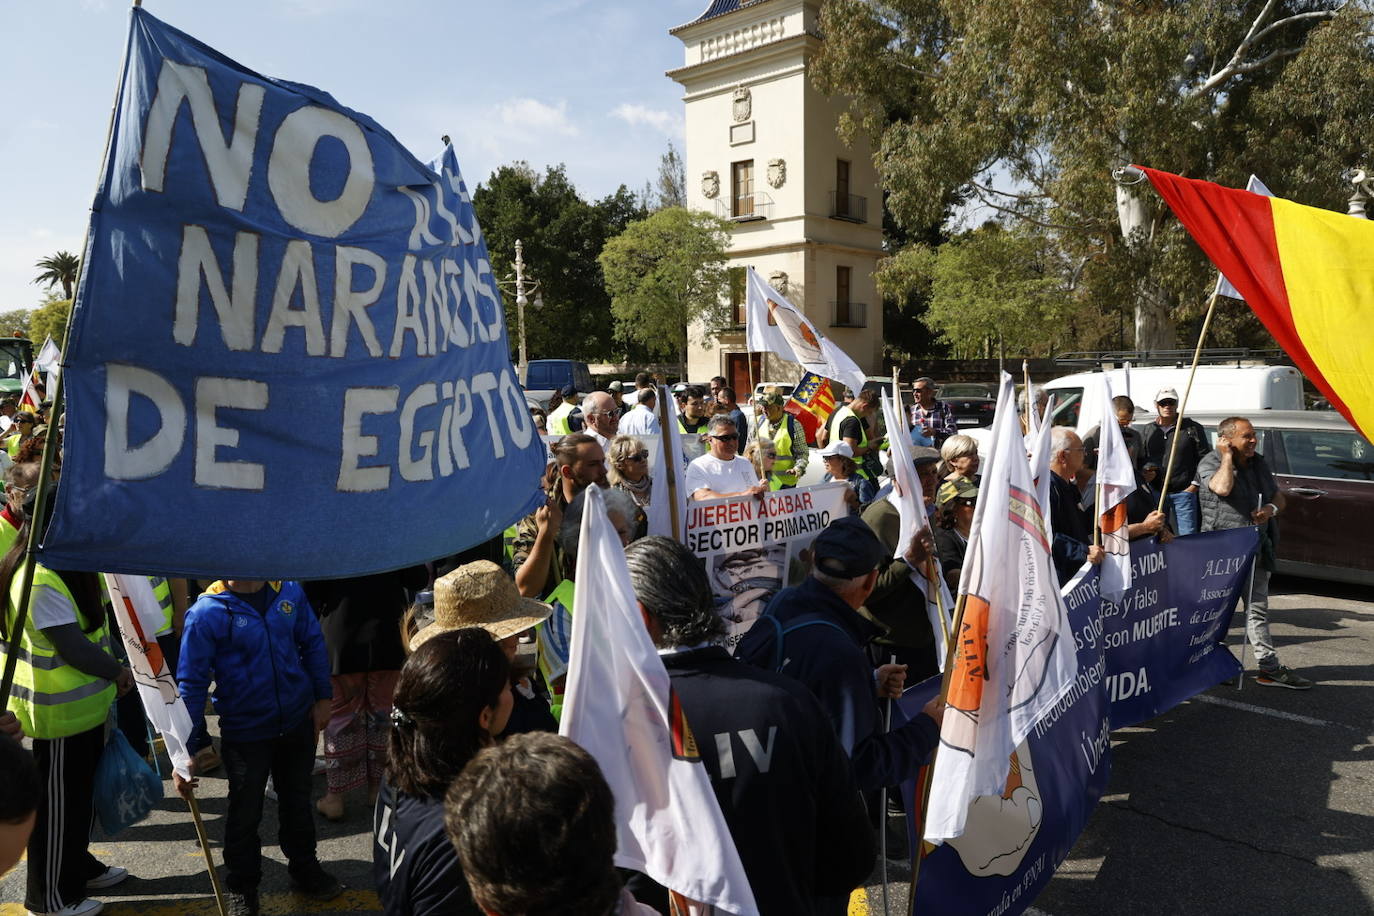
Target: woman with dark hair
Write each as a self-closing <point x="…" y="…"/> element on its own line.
<point x="452" y="698"/>
<point x="953" y="521"/>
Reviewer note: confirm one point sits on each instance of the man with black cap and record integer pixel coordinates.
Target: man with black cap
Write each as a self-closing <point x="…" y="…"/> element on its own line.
<point x="565" y="418"/>
<point x="813" y="632"/>
<point x="897" y="603"/>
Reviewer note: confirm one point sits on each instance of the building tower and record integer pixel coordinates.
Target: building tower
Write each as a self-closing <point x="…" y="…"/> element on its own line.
<point x="762" y="150"/>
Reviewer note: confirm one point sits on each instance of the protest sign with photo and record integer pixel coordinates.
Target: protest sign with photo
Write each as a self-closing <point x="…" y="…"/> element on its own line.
<point x="752" y="545"/>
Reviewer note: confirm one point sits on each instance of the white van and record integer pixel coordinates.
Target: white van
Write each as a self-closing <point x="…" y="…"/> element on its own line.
<point x="1075" y="400"/>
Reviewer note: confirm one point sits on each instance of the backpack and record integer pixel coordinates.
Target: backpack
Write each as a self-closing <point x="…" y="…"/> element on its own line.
<point x="780" y="635"/>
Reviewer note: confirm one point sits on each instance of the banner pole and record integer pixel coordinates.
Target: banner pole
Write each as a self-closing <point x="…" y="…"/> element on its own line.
<point x="919" y="851"/>
<point x="882" y="798"/>
<point x="1183" y="404"/>
<point x="665" y="416"/>
<point x="50" y="441"/>
<point x="1030" y="403"/>
<point x="1097" y="514"/>
<point x="209" y="858"/>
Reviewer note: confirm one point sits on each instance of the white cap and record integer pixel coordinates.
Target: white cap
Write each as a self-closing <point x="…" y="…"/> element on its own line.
<point x="840" y="448"/>
<point x="1166" y="394"/>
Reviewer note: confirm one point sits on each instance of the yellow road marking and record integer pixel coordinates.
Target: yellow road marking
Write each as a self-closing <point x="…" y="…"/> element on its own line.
<point x="858" y="903"/>
<point x="279" y="904"/>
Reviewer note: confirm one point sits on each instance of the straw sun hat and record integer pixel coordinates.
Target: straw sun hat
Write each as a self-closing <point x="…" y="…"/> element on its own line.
<point x="480" y="594"/>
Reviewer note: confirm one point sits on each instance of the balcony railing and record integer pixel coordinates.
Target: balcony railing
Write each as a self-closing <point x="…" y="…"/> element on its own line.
<point x="849" y="207"/>
<point x="746" y="207"/>
<point x="848" y="314"/>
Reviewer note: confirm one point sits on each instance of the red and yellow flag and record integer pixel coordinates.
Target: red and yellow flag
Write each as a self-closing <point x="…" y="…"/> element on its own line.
<point x="1307" y="273"/>
<point x="812" y="403"/>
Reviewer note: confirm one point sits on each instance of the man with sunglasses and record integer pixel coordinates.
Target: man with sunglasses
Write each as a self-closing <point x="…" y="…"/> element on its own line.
<point x="722" y="472"/>
<point x="1181" y="485"/>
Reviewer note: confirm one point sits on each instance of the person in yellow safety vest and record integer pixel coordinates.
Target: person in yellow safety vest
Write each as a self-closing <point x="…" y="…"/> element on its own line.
<point x="19" y="431"/>
<point x="566" y="418"/>
<point x="65" y="681"/>
<point x="850" y="424"/>
<point x="789" y="440"/>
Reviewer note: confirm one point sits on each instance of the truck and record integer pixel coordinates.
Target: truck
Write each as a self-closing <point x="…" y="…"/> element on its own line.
<point x="542" y="378"/>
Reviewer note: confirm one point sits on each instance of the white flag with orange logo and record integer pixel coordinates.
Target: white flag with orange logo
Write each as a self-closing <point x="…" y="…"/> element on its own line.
<point x="1115" y="480"/>
<point x="774" y="325"/>
<point x="621" y="708"/>
<point x="1014" y="655"/>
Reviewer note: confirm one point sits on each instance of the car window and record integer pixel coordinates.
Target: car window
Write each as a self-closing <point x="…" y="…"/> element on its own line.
<point x="582" y="377"/>
<point x="537" y="376"/>
<point x="1065" y="403"/>
<point x="1336" y="454"/>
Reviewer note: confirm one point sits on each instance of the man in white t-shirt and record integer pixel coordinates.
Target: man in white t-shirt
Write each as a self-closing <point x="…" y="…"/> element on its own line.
<point x="721" y="472"/>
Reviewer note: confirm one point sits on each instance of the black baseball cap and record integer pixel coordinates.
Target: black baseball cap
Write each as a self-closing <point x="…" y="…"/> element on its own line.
<point x="847" y="548"/>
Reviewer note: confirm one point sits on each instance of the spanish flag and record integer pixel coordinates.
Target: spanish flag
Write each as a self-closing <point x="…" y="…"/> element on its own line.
<point x="1307" y="273"/>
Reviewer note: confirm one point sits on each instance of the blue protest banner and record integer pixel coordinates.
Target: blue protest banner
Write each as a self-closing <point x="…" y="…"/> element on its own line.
<point x="1165" y="639"/>
<point x="288" y="356"/>
<point x="1012" y="843"/>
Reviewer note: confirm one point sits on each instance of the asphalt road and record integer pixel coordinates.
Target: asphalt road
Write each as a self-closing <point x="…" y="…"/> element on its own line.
<point x="1247" y="801"/>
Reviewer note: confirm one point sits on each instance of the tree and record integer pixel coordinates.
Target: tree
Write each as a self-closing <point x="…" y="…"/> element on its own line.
<point x="14" y="320"/>
<point x="50" y="320"/>
<point x="672" y="179"/>
<point x="1025" y="106"/>
<point x="562" y="235"/>
<point x="665" y="273"/>
<point x="991" y="290"/>
<point x="60" y="268"/>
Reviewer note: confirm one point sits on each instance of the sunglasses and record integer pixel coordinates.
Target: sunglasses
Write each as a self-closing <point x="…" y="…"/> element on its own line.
<point x="1168" y="402"/>
<point x="728" y="437"/>
<point x="638" y="456"/>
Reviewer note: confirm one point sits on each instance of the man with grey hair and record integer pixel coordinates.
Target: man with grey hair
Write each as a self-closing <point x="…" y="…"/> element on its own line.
<point x="1070" y="523"/>
<point x="642" y="418"/>
<point x="932" y="419"/>
<point x="1039" y="397"/>
<point x="785" y="786"/>
<point x="721" y="471"/>
<point x="602" y="418"/>
<point x="1239" y="490"/>
<point x="813" y="632"/>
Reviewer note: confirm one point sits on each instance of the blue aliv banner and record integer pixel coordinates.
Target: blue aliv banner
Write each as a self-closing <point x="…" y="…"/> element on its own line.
<point x="1163" y="643"/>
<point x="288" y="356"/>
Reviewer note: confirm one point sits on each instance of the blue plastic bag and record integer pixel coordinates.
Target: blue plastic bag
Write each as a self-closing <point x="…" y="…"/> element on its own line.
<point x="126" y="788"/>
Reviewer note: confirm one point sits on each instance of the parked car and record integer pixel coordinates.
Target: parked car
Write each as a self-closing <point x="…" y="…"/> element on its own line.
<point x="542" y="378"/>
<point x="965" y="390"/>
<point x="1326" y="471"/>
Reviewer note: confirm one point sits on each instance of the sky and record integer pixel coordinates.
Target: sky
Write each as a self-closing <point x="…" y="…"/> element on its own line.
<point x="547" y="81"/>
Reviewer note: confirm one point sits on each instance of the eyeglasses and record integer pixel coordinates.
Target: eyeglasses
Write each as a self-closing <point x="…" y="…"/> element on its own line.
<point x="22" y="491"/>
<point x="728" y="437"/>
<point x="638" y="456"/>
<point x="1170" y="402"/>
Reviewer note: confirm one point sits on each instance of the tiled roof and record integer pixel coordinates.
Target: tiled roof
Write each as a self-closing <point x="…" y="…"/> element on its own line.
<point x="720" y="8"/>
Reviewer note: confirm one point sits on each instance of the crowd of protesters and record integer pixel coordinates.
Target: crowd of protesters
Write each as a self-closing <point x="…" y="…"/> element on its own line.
<point x="434" y="691"/>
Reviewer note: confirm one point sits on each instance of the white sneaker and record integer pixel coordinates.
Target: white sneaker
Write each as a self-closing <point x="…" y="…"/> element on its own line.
<point x="108" y="878"/>
<point x="87" y="907"/>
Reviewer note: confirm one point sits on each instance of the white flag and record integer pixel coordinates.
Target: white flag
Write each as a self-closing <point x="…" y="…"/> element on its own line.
<point x="620" y="706"/>
<point x="1115" y="480"/>
<point x="49" y="360"/>
<point x="1038" y="447"/>
<point x="1015" y="656"/>
<point x="139" y="617"/>
<point x="909" y="498"/>
<point x="1224" y="287"/>
<point x="774" y="325"/>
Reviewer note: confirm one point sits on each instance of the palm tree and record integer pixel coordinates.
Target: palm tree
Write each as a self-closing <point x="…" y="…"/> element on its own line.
<point x="59" y="268"/>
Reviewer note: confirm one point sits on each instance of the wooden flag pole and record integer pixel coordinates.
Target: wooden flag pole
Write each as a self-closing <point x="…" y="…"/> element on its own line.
<point x="209" y="859"/>
<point x="1183" y="404"/>
<point x="665" y="417"/>
<point x="931" y="575"/>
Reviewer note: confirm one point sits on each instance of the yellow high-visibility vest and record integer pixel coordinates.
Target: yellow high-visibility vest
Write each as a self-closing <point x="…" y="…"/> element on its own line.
<point x="839" y="417"/>
<point x="558" y="420"/>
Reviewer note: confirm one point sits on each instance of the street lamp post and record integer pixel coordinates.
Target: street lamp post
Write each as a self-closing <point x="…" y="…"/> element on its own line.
<point x="522" y="289"/>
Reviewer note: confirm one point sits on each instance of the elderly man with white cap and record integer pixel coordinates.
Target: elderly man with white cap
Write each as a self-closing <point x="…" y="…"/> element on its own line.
<point x="1182" y="484"/>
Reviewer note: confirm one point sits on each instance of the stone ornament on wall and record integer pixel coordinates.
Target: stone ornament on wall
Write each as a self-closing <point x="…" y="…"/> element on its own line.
<point x="778" y="280"/>
<point x="744" y="105"/>
<point x="777" y="172"/>
<point x="710" y="184"/>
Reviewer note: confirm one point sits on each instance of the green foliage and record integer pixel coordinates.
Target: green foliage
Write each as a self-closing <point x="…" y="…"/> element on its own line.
<point x="1024" y="106"/>
<point x="562" y="235"/>
<point x="665" y="273"/>
<point x="61" y="269"/>
<point x="50" y="320"/>
<point x="14" y="320"/>
<point x="672" y="180"/>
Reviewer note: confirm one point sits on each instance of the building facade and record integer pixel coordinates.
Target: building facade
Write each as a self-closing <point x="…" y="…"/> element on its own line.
<point x="762" y="150"/>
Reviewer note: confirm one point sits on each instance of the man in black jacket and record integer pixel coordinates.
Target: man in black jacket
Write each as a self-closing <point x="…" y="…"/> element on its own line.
<point x="813" y="632"/>
<point x="783" y="782"/>
<point x="1182" y="484"/>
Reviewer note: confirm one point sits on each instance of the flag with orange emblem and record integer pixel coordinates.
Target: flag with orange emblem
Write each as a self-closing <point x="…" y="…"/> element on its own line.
<point x="812" y="402"/>
<point x="774" y="325"/>
<point x="1014" y="656"/>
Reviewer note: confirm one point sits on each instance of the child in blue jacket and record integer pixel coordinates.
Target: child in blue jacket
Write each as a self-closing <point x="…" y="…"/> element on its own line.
<point x="261" y="644"/>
